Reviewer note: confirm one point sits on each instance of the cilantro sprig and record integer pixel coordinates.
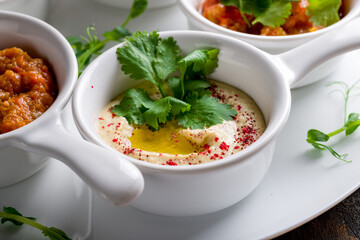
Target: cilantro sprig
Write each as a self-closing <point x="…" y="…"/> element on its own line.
<point x="185" y="98"/>
<point x="275" y="12"/>
<point x="10" y="214"/>
<point x="87" y="48"/>
<point x="351" y="124"/>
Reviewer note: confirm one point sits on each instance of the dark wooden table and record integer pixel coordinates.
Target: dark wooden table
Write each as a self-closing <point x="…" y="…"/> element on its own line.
<point x="342" y="222"/>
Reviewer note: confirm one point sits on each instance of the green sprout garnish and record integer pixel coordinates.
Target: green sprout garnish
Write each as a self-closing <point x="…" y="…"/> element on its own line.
<point x="351" y="123"/>
<point x="11" y="215"/>
<point x="87" y="48"/>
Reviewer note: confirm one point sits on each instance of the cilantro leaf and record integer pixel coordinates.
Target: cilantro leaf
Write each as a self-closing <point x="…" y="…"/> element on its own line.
<point x="256" y="7"/>
<point x="323" y="12"/>
<point x="205" y="111"/>
<point x="161" y="109"/>
<point x="189" y="86"/>
<point x="276" y="14"/>
<point x="133" y="105"/>
<point x="175" y="84"/>
<point x="146" y="56"/>
<point x="194" y="85"/>
<point x="201" y="62"/>
<point x="138" y="108"/>
<point x="198" y="63"/>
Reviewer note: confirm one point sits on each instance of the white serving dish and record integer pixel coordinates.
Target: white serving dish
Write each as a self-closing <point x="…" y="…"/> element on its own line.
<point x="47" y="135"/>
<point x="206" y="188"/>
<point x="292" y="192"/>
<point x="272" y="44"/>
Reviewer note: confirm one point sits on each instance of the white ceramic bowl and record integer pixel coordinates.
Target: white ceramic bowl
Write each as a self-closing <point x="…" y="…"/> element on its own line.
<point x="205" y="188"/>
<point x="116" y="179"/>
<point x="35" y="8"/>
<point x="272" y="44"/>
<point x="126" y="4"/>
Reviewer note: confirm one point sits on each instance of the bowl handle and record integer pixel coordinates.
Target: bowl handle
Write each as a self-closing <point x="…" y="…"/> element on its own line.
<point x="298" y="62"/>
<point x="116" y="179"/>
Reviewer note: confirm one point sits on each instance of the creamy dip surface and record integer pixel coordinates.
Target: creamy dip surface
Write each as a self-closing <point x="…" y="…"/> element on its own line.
<point x="175" y="145"/>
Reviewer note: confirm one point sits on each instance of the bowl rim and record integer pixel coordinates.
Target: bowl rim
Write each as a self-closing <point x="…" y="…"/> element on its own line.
<point x="239" y="158"/>
<point x="193" y="14"/>
<point x="65" y="93"/>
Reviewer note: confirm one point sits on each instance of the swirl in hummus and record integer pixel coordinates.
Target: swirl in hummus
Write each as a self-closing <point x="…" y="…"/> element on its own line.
<point x="174" y="145"/>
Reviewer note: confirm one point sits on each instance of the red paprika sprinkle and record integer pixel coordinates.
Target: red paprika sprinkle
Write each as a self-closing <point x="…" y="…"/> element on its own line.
<point x="171" y="163"/>
<point x="206" y="146"/>
<point x="224" y="146"/>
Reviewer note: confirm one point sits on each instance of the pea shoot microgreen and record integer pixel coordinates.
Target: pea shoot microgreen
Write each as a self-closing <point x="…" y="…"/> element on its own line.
<point x="10" y="214"/>
<point x="87" y="48"/>
<point x="351" y="123"/>
<point x="148" y="57"/>
<point x="274" y="12"/>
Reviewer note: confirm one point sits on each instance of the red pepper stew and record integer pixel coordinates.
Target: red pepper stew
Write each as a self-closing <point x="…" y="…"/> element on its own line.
<point x="27" y="89"/>
<point x="230" y="17"/>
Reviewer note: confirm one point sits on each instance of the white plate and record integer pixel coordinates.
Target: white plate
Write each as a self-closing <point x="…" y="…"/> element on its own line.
<point x="301" y="184"/>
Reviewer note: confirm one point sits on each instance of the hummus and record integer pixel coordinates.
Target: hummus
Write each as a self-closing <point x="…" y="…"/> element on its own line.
<point x="174" y="145"/>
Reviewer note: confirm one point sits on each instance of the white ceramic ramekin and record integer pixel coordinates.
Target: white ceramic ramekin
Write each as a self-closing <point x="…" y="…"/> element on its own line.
<point x="115" y="178"/>
<point x="206" y="188"/>
<point x="35" y="8"/>
<point x="272" y="44"/>
<point x="126" y="4"/>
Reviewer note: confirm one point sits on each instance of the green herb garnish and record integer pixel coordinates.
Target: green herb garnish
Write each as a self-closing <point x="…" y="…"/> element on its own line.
<point x="87" y="48"/>
<point x="148" y="57"/>
<point x="274" y="12"/>
<point x="323" y="12"/>
<point x="11" y="215"/>
<point x="351" y="123"/>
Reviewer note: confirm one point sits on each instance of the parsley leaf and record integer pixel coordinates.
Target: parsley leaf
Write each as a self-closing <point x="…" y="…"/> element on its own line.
<point x="256" y="7"/>
<point x="146" y="56"/>
<point x="138" y="108"/>
<point x="323" y="12"/>
<point x="197" y="64"/>
<point x="205" y="111"/>
<point x="276" y="14"/>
